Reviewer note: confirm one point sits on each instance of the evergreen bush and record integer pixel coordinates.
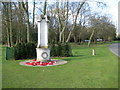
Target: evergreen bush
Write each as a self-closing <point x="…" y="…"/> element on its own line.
<point x="25" y="50"/>
<point x="18" y="51"/>
<point x="61" y="50"/>
<point x="53" y="49"/>
<point x="30" y="50"/>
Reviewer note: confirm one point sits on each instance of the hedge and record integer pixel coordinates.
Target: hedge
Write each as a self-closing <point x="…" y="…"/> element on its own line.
<point x="28" y="50"/>
<point x="25" y="51"/>
<point x="9" y="53"/>
<point x="60" y="49"/>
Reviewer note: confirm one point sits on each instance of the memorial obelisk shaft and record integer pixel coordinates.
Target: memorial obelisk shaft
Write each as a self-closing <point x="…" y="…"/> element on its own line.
<point x="43" y="52"/>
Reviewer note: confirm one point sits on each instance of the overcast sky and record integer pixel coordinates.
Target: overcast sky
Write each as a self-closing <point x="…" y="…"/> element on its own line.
<point x="111" y="10"/>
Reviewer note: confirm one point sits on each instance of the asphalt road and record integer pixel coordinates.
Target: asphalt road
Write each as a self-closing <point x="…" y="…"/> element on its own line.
<point x="115" y="48"/>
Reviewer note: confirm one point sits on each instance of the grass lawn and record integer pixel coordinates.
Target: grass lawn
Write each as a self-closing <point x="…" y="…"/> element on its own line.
<point x="82" y="71"/>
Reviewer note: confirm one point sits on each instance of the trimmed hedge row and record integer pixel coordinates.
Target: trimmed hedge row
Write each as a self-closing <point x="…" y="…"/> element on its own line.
<point x="61" y="50"/>
<point x="9" y="53"/>
<point x="28" y="50"/>
<point x="25" y="51"/>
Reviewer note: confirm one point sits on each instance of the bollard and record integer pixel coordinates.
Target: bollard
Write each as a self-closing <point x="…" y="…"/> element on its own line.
<point x="93" y="52"/>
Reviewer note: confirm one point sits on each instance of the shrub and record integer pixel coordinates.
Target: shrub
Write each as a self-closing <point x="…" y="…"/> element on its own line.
<point x="66" y="50"/>
<point x="25" y="50"/>
<point x="19" y="51"/>
<point x="53" y="49"/>
<point x="30" y="50"/>
<point x="61" y="49"/>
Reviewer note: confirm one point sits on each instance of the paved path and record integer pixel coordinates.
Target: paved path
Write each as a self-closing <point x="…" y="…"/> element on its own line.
<point x="115" y="48"/>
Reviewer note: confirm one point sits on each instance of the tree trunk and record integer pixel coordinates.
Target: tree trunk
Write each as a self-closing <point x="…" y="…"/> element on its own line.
<point x="33" y="12"/>
<point x="28" y="27"/>
<point x="91" y="37"/>
<point x="8" y="32"/>
<point x="63" y="40"/>
<point x="45" y="5"/>
<point x="8" y="37"/>
<point x="27" y="19"/>
<point x="69" y="36"/>
<point x="79" y="37"/>
<point x="59" y="21"/>
<point x="11" y="39"/>
<point x="60" y="37"/>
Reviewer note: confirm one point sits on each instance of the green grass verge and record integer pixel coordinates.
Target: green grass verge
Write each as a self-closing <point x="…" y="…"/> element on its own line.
<point x="82" y="71"/>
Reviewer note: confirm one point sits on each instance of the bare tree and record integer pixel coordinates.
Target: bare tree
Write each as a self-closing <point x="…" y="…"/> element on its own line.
<point x="74" y="23"/>
<point x="25" y="8"/>
<point x="11" y="39"/>
<point x="20" y="16"/>
<point x="62" y="19"/>
<point x="5" y="12"/>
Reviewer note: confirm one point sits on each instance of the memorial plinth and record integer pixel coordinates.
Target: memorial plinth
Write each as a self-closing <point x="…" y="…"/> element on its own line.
<point x="43" y="54"/>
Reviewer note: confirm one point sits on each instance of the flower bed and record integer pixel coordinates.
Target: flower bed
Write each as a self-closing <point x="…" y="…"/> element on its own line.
<point x="34" y="63"/>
